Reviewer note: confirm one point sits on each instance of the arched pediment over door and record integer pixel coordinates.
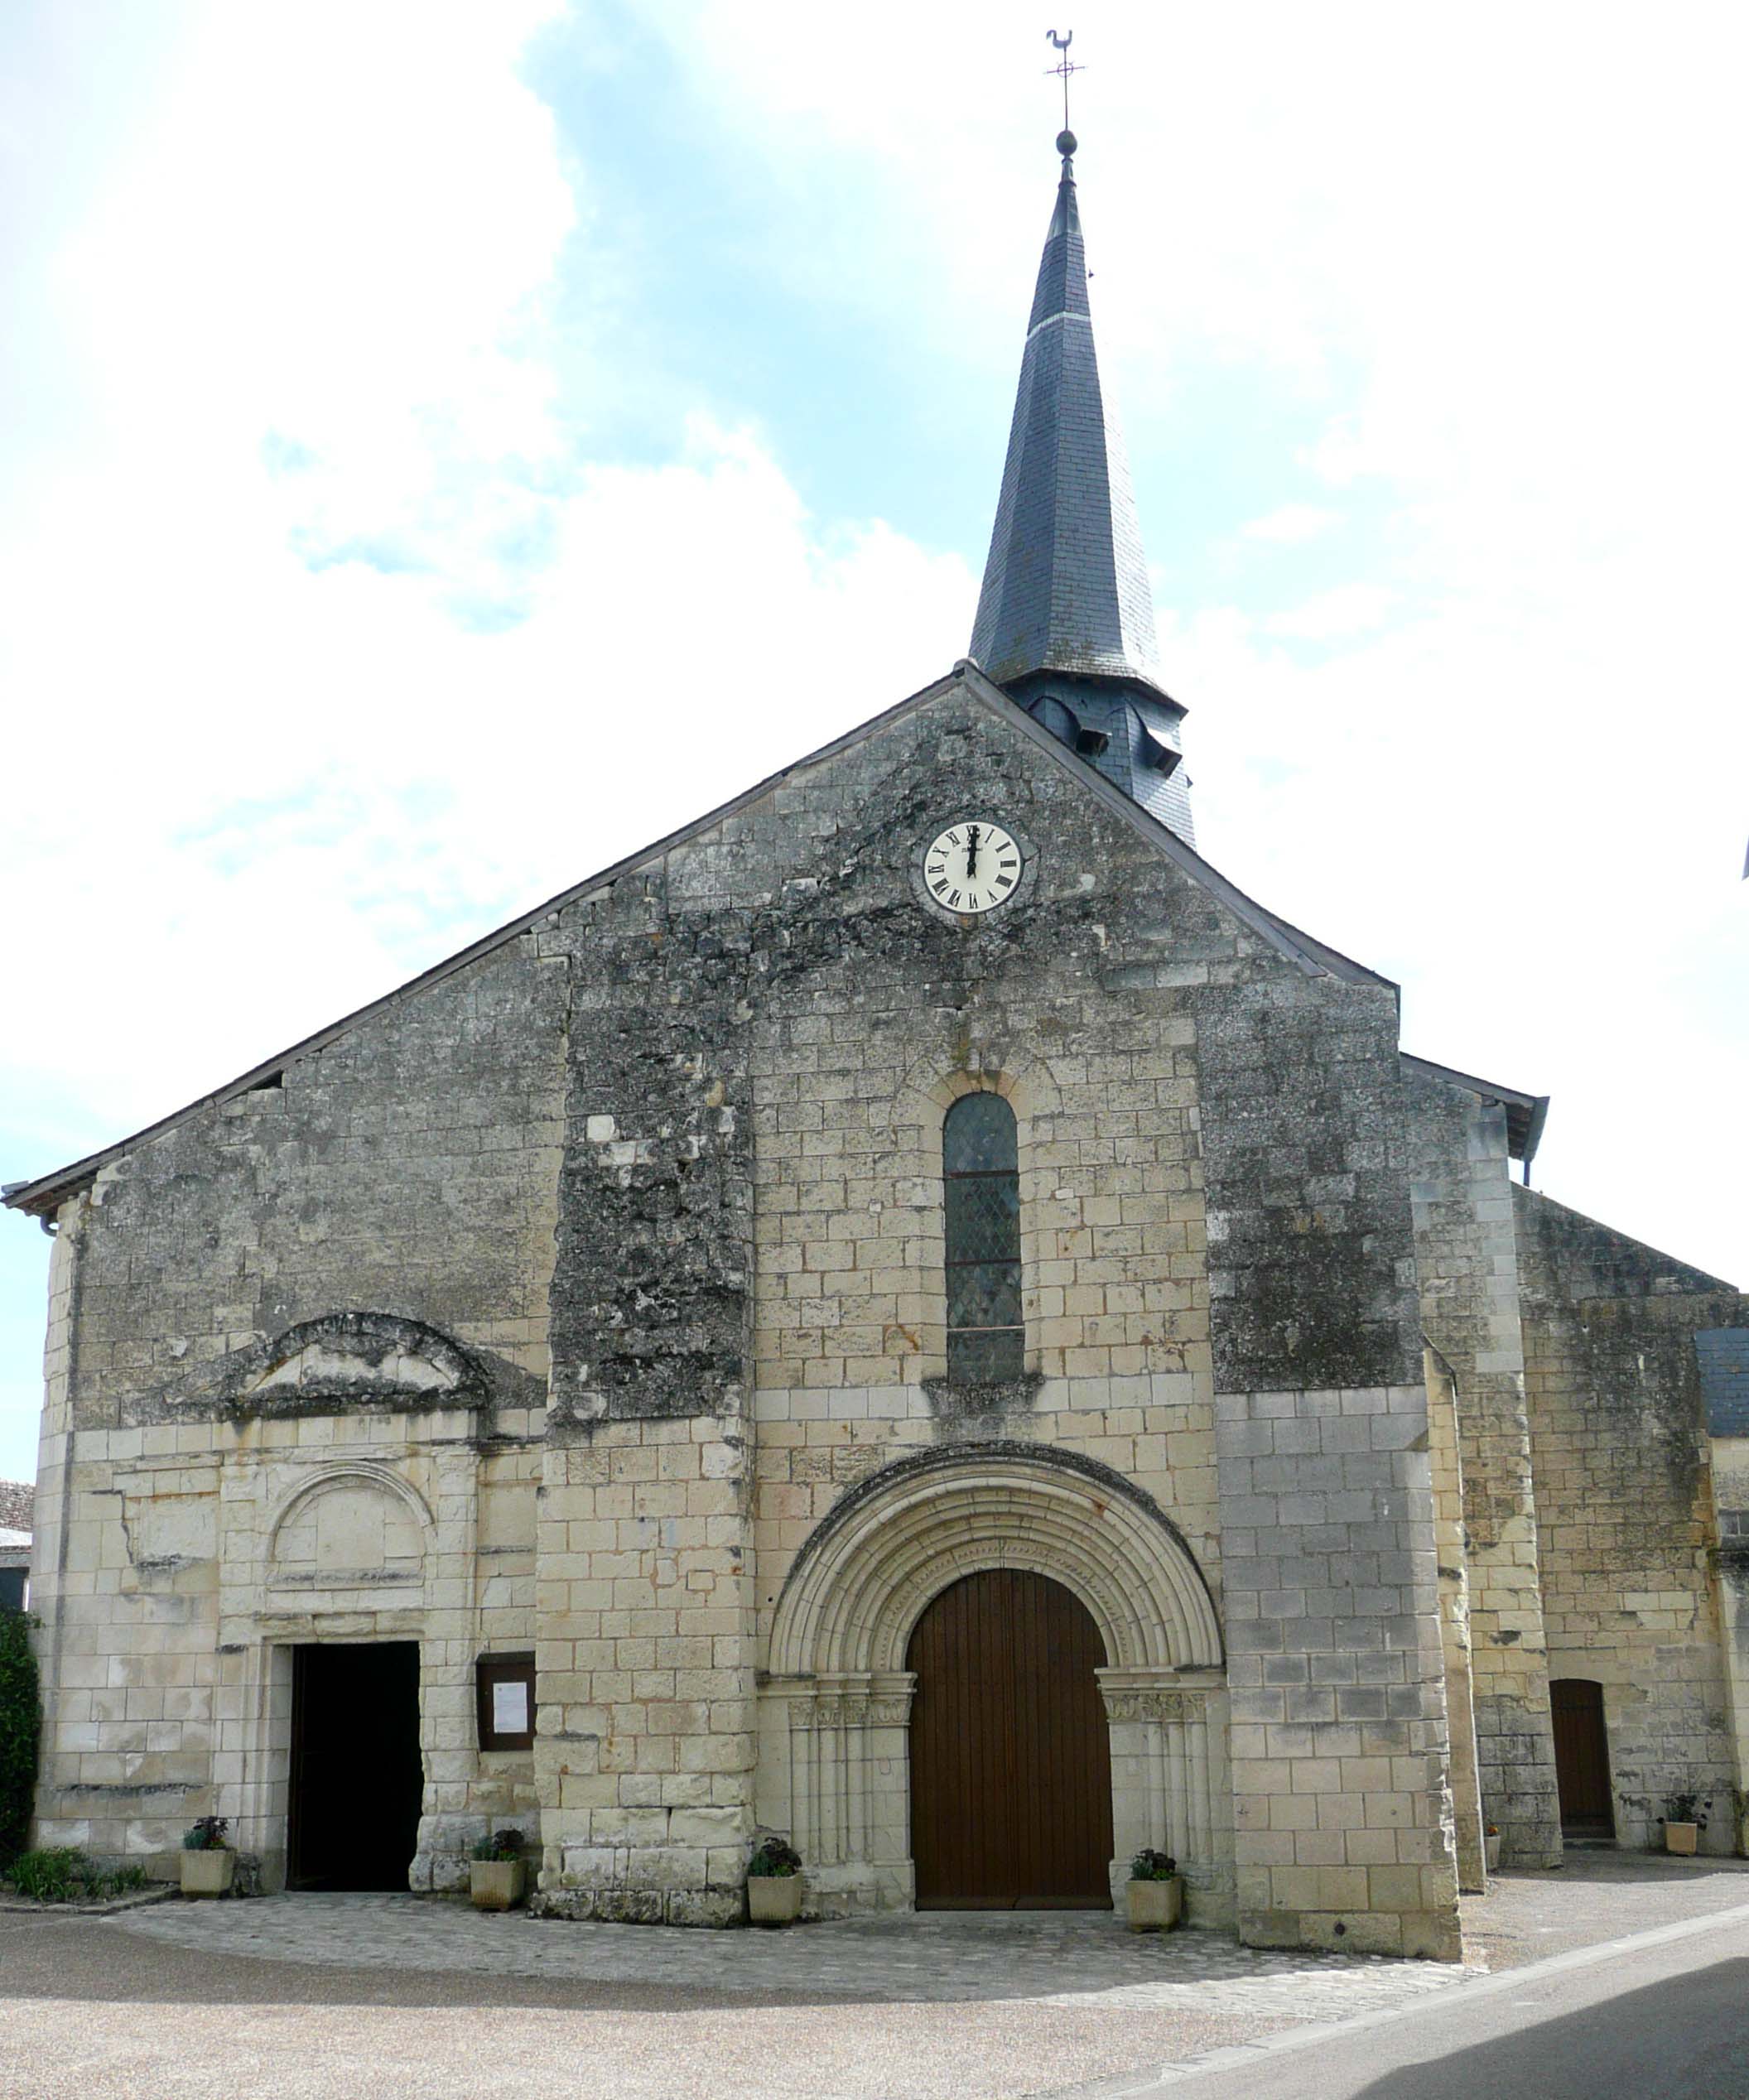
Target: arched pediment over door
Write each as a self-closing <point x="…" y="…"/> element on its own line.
<point x="835" y="1716"/>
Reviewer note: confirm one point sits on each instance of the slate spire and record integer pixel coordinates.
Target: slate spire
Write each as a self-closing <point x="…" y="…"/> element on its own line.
<point x="1066" y="617"/>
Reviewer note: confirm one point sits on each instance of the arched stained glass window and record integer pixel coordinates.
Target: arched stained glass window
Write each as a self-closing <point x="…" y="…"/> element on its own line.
<point x="986" y="1336"/>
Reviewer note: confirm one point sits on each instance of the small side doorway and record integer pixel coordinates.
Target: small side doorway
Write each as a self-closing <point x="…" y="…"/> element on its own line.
<point x="357" y="1780"/>
<point x="1582" y="1758"/>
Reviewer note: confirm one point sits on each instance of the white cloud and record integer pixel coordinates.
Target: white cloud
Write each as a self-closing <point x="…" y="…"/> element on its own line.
<point x="1351" y="608"/>
<point x="332" y="637"/>
<point x="1291" y="524"/>
<point x="271" y="758"/>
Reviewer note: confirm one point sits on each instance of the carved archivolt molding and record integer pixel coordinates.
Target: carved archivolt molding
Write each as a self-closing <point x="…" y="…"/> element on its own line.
<point x="861" y="1584"/>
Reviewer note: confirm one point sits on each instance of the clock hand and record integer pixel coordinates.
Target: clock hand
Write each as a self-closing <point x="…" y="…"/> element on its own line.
<point x="972" y="852"/>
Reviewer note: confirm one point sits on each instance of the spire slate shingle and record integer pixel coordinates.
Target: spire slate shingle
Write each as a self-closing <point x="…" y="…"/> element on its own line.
<point x="1066" y="587"/>
<point x="1066" y="616"/>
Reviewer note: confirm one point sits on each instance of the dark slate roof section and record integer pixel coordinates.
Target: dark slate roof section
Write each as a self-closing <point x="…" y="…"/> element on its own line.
<point x="1525" y="1113"/>
<point x="1066" y="587"/>
<point x="1723" y="1354"/>
<point x="44" y="1194"/>
<point x="17" y="1505"/>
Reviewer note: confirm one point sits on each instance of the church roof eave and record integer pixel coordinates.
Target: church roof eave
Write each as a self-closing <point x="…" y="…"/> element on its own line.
<point x="43" y="1195"/>
<point x="1525" y="1113"/>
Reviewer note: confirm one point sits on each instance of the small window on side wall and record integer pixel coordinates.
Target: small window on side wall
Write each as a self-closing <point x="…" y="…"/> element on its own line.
<point x="505" y="1687"/>
<point x="986" y="1335"/>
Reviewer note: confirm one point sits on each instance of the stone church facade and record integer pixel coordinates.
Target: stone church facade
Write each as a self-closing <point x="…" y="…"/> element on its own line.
<point x="805" y="1312"/>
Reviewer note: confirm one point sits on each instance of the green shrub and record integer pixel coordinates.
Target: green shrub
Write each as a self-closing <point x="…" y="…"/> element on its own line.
<point x="20" y="1724"/>
<point x="62" y="1874"/>
<point x="1151" y="1866"/>
<point x="53" y="1875"/>
<point x="775" y="1859"/>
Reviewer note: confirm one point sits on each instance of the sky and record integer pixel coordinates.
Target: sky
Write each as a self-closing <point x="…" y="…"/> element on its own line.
<point x="443" y="447"/>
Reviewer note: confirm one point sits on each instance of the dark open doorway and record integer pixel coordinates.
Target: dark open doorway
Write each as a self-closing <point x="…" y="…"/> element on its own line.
<point x="356" y="1777"/>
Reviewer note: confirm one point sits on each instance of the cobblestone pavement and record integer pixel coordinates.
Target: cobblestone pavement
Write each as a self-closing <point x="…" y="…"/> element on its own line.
<point x="1595" y="1895"/>
<point x="1057" y="1957"/>
<point x="326" y="1998"/>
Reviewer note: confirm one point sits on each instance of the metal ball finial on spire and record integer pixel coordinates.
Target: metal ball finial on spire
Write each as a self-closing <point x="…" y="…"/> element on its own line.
<point x="1066" y="139"/>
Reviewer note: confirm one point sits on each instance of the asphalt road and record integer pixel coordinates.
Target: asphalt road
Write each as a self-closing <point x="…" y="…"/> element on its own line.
<point x="1666" y="2018"/>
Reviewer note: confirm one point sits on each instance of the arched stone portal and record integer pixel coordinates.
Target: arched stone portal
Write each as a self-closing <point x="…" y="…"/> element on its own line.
<point x="835" y="1752"/>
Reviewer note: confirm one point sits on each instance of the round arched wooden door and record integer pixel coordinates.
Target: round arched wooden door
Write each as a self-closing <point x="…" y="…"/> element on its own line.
<point x="1010" y="1752"/>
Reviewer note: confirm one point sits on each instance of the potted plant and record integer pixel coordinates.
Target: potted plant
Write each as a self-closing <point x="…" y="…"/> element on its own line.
<point x="1684" y="1819"/>
<point x="497" y="1874"/>
<point x="1490" y="1846"/>
<point x="1156" y="1894"/>
<point x="774" y="1884"/>
<point x="207" y="1861"/>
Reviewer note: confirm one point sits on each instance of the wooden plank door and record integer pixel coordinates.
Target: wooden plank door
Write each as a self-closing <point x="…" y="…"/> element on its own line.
<point x="1010" y="1750"/>
<point x="1582" y="1758"/>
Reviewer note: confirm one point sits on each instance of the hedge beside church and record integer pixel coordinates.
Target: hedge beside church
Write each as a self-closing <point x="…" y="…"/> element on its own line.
<point x="21" y="1723"/>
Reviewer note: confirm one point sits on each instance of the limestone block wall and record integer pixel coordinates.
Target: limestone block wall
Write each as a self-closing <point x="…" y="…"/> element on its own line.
<point x="348" y="1268"/>
<point x="645" y="1748"/>
<point x="1469" y="1820"/>
<point x="1341" y="1798"/>
<point x="646" y="1727"/>
<point x="1467" y="1274"/>
<point x="195" y="1557"/>
<point x="1730" y="1467"/>
<point x="767" y="1028"/>
<point x="410" y="1166"/>
<point x="1339" y="1742"/>
<point x="1625" y="1503"/>
<point x="648" y="1203"/>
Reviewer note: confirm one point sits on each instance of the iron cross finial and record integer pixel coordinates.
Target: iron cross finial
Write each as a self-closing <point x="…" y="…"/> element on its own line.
<point x="1061" y="70"/>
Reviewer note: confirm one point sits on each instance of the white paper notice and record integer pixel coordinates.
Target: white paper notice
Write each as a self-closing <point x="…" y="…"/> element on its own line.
<point x="509" y="1708"/>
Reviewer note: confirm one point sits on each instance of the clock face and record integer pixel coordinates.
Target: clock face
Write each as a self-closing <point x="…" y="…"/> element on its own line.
<point x="973" y="866"/>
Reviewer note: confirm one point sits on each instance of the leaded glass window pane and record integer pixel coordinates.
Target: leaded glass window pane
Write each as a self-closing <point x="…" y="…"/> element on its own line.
<point x="984" y="1294"/>
<point x="983" y="1217"/>
<point x="979" y="1136"/>
<point x="980" y="1357"/>
<point x="986" y="1335"/>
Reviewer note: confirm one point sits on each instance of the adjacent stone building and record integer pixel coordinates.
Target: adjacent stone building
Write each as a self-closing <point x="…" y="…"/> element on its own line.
<point x="17" y="1501"/>
<point x="911" y="1313"/>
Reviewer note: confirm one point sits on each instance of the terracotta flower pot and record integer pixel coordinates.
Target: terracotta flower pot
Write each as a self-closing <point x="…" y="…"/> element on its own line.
<point x="208" y="1872"/>
<point x="497" y="1884"/>
<point x="1681" y="1836"/>
<point x="1155" y="1906"/>
<point x="773" y="1899"/>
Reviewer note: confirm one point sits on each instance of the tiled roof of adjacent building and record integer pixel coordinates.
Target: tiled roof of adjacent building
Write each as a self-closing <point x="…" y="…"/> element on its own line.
<point x="17" y="1500"/>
